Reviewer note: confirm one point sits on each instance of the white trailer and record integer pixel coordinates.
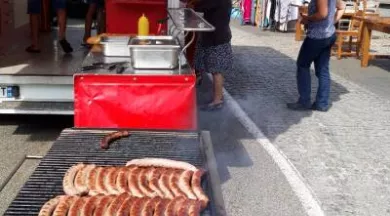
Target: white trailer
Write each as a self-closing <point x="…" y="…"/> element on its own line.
<point x="37" y="83"/>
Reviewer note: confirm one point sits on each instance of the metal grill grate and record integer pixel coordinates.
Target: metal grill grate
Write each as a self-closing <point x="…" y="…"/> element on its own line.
<point x="74" y="146"/>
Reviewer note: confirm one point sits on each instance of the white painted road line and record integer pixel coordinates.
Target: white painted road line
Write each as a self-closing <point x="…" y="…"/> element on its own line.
<point x="296" y="181"/>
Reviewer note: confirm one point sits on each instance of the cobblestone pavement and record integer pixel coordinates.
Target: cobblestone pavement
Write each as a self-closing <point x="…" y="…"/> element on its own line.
<point x="343" y="154"/>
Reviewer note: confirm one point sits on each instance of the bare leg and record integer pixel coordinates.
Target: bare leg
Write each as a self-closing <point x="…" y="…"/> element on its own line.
<point x="34" y="30"/>
<point x="88" y="22"/>
<point x="61" y="17"/>
<point x="218" y="88"/>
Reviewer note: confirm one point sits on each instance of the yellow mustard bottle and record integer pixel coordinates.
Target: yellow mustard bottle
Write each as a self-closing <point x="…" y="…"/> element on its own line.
<point x="143" y="26"/>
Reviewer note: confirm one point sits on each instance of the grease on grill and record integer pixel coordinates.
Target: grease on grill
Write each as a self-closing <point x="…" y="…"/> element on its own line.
<point x="111" y="137"/>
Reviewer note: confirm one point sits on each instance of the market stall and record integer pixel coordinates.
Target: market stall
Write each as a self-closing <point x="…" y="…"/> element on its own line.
<point x="161" y="166"/>
<point x="147" y="84"/>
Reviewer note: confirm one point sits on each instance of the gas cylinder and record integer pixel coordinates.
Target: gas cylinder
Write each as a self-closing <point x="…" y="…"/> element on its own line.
<point x="143" y="26"/>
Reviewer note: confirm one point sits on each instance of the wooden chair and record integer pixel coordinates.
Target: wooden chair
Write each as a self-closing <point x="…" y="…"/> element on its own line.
<point x="351" y="37"/>
<point x="299" y="28"/>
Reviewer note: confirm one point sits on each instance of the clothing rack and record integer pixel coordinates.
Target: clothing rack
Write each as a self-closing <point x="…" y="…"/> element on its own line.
<point x="271" y="15"/>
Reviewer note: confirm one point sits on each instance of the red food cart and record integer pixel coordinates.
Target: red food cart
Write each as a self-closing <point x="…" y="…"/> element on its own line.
<point x="147" y="98"/>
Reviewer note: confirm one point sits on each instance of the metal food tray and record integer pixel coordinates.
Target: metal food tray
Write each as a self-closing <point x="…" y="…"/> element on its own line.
<point x="186" y="19"/>
<point x="154" y="41"/>
<point x="94" y="58"/>
<point x="115" y="46"/>
<point x="154" y="52"/>
<point x="82" y="145"/>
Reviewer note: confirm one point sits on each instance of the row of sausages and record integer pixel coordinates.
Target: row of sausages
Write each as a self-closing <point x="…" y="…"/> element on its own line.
<point x="119" y="205"/>
<point x="152" y="179"/>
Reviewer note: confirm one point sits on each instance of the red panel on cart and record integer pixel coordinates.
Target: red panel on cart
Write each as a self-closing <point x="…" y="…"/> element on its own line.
<point x="129" y="101"/>
<point x="122" y="15"/>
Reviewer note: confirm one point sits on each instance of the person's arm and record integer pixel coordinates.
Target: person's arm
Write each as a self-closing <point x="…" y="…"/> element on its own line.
<point x="321" y="14"/>
<point x="340" y="8"/>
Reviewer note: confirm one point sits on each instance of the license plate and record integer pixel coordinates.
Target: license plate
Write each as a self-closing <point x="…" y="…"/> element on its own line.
<point x="9" y="91"/>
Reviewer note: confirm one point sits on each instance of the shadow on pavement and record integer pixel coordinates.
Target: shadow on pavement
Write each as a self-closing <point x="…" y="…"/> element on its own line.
<point x="381" y="63"/>
<point x="262" y="82"/>
<point x="38" y="127"/>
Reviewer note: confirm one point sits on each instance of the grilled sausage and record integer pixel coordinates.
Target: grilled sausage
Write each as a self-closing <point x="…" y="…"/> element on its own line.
<point x="113" y="208"/>
<point x="172" y="207"/>
<point x="137" y="207"/>
<point x="80" y="182"/>
<point x="63" y="206"/>
<point x="182" y="207"/>
<point x="197" y="188"/>
<point x="48" y="208"/>
<point x="160" y="207"/>
<point x="124" y="209"/>
<point x="195" y="208"/>
<point x="68" y="180"/>
<point x="109" y="138"/>
<point x="111" y="178"/>
<point x="133" y="182"/>
<point x="150" y="206"/>
<point x="161" y="162"/>
<point x="74" y="209"/>
<point x="102" y="205"/>
<point x="185" y="184"/>
<point x="102" y="179"/>
<point x="173" y="183"/>
<point x="121" y="180"/>
<point x="144" y="184"/>
<point x="90" y="205"/>
<point x="153" y="177"/>
<point x="92" y="181"/>
<point x="163" y="183"/>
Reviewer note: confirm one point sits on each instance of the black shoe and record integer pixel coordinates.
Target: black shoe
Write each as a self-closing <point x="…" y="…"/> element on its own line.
<point x="298" y="107"/>
<point x="66" y="46"/>
<point x="321" y="109"/>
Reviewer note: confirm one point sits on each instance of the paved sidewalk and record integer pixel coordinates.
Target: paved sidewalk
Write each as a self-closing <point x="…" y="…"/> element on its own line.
<point x="343" y="154"/>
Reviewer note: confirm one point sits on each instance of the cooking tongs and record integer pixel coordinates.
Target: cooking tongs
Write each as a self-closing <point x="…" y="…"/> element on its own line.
<point x="119" y="66"/>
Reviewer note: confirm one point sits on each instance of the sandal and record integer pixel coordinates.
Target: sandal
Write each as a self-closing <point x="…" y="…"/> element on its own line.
<point x="30" y="49"/>
<point x="212" y="107"/>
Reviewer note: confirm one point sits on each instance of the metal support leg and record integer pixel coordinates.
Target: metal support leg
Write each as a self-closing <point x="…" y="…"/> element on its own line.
<point x="184" y="49"/>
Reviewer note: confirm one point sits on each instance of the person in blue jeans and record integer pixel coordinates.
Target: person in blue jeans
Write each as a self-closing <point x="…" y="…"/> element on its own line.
<point x="94" y="6"/>
<point x="320" y="37"/>
<point x="34" y="9"/>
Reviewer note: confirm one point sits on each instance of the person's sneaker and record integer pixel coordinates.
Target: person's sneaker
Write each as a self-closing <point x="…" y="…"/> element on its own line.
<point x="321" y="109"/>
<point x="298" y="107"/>
<point x="66" y="46"/>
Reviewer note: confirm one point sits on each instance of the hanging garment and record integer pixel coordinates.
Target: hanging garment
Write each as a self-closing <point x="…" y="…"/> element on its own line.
<point x="246" y="6"/>
<point x="267" y="14"/>
<point x="285" y="13"/>
<point x="273" y="8"/>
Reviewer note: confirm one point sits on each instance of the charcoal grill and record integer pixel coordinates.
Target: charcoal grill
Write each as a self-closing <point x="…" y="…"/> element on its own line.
<point x="75" y="146"/>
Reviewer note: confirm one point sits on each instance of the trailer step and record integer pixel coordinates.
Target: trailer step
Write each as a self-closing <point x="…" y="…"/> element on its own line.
<point x="36" y="108"/>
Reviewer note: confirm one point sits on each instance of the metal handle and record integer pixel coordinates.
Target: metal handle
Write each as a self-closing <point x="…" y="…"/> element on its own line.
<point x="184" y="49"/>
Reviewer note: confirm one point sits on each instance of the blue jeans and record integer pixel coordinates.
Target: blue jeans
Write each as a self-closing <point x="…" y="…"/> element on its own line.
<point x="317" y="51"/>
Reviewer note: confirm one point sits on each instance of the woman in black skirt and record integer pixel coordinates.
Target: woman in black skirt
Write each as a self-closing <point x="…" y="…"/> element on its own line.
<point x="213" y="51"/>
